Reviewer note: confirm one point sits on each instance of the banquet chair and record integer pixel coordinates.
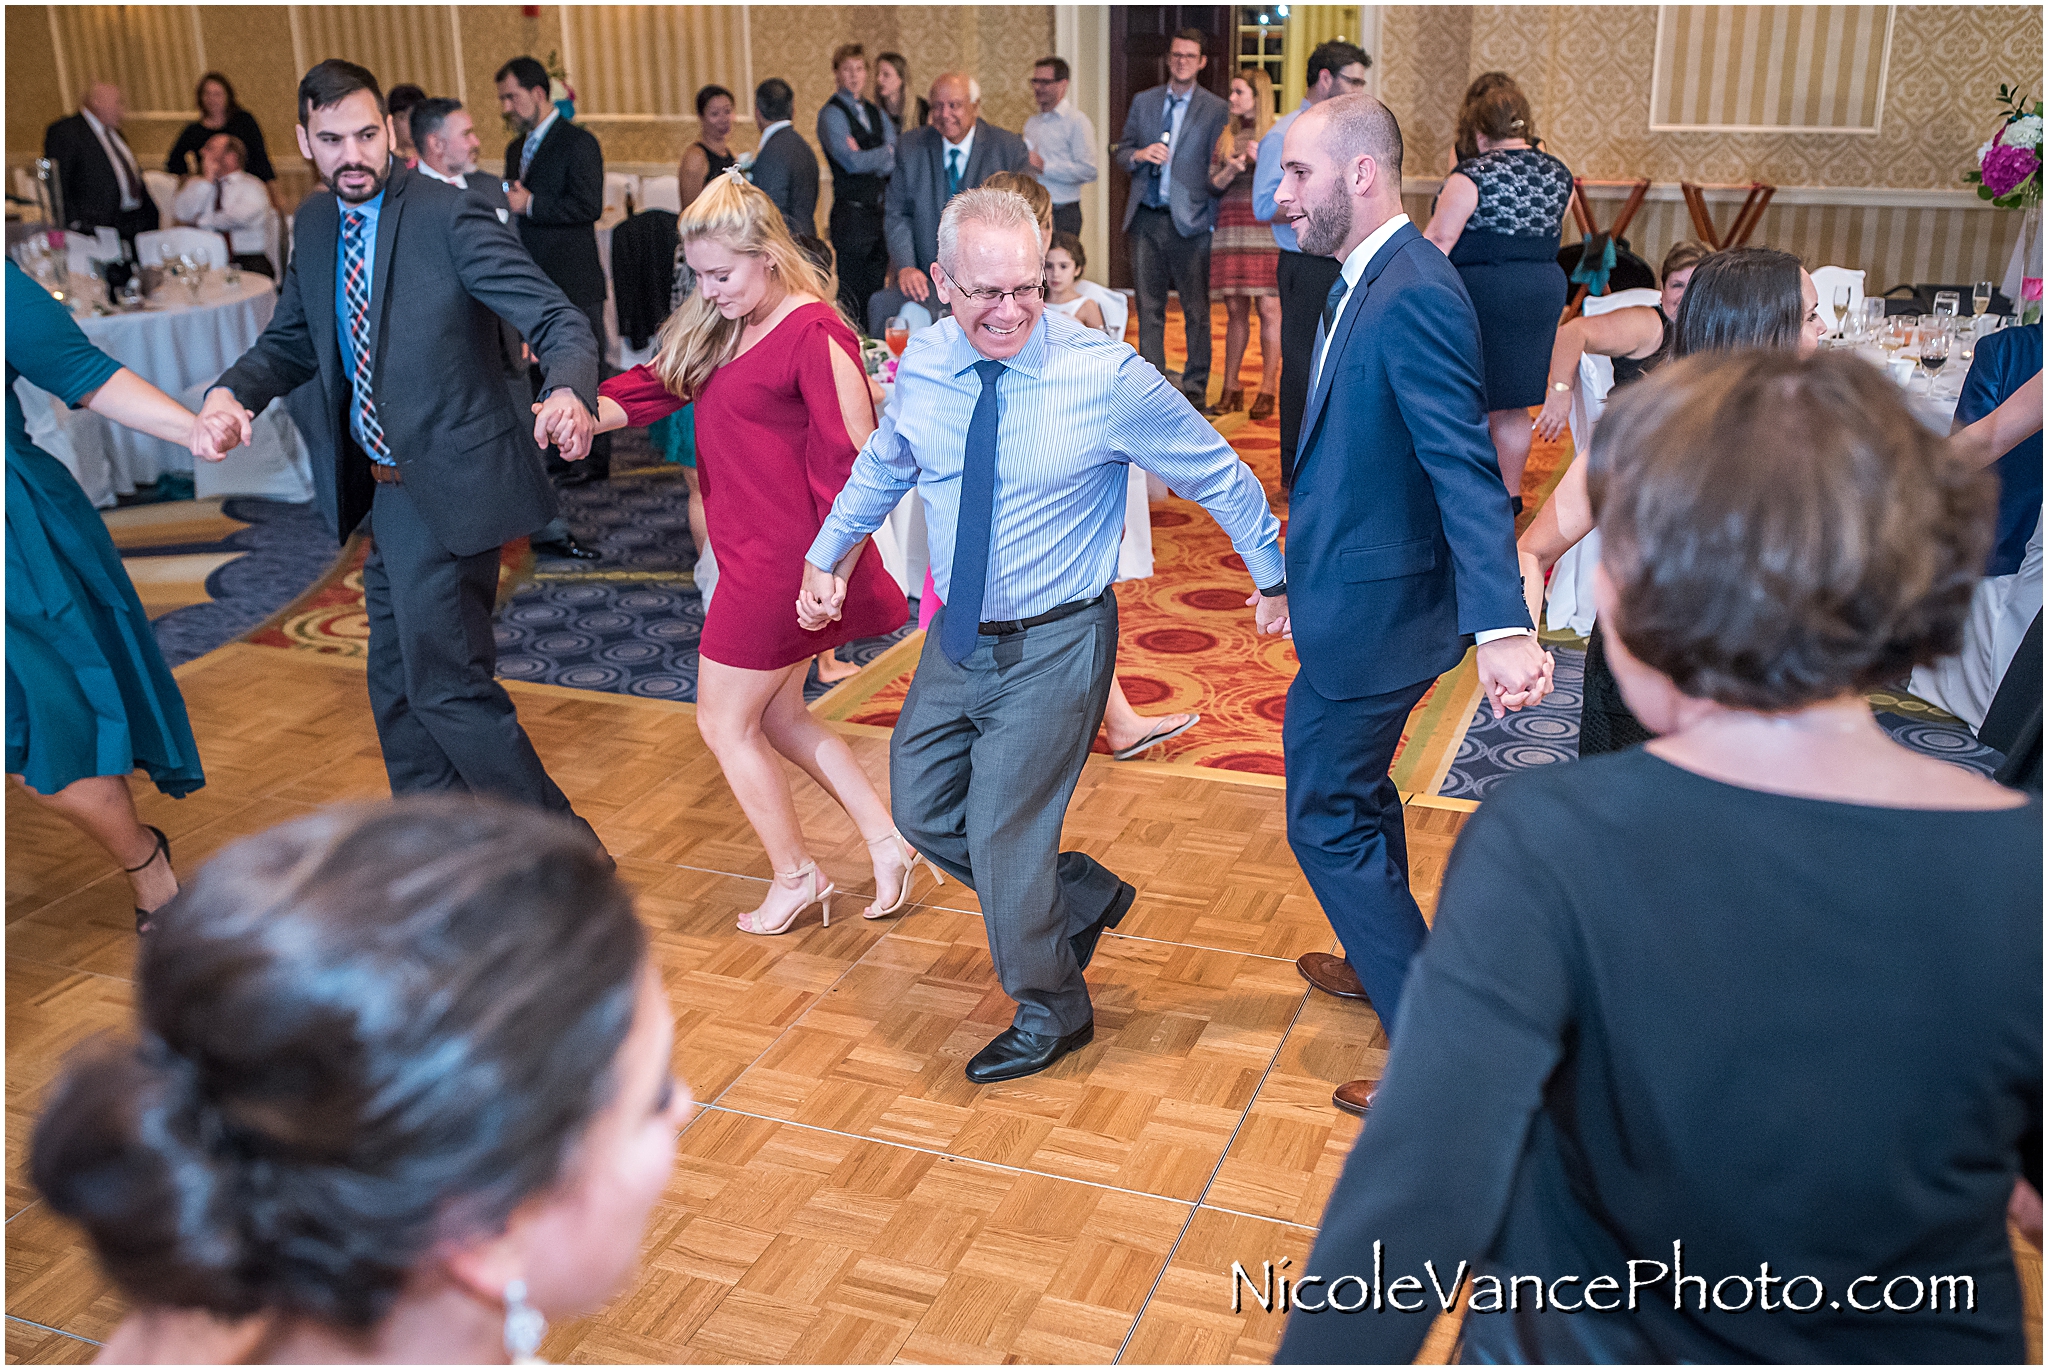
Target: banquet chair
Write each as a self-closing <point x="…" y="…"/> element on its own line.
<point x="1825" y="281"/>
<point x="55" y="428"/>
<point x="621" y="191"/>
<point x="163" y="188"/>
<point x="661" y="192"/>
<point x="201" y="244"/>
<point x="1582" y="211"/>
<point x="1569" y="606"/>
<point x="1116" y="306"/>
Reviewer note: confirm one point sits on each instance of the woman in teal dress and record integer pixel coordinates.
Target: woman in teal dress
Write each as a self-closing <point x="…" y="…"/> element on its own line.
<point x="89" y="698"/>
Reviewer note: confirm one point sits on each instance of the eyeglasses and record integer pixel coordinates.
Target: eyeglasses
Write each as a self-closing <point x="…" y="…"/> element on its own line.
<point x="1183" y="56"/>
<point x="1350" y="82"/>
<point x="1023" y="294"/>
<point x="1044" y="80"/>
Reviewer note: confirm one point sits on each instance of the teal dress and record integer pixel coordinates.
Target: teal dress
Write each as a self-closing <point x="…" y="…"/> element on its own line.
<point x="88" y="692"/>
<point x="675" y="436"/>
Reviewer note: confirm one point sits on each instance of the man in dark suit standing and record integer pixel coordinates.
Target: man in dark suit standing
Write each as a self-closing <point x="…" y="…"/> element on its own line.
<point x="785" y="169"/>
<point x="554" y="174"/>
<point x="387" y="309"/>
<point x="1401" y="546"/>
<point x="101" y="180"/>
<point x="861" y="143"/>
<point x="1168" y="138"/>
<point x="956" y="151"/>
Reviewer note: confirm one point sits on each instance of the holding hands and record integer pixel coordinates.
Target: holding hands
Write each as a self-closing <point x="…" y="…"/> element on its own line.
<point x="1271" y="615"/>
<point x="561" y="420"/>
<point x="1515" y="672"/>
<point x="222" y="425"/>
<point x="822" y="598"/>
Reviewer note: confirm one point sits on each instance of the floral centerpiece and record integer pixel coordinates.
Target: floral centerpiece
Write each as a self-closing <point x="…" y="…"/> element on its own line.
<point x="2008" y="174"/>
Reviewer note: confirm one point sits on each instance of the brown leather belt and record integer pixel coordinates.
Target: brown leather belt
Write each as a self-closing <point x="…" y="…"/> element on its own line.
<point x="386" y="475"/>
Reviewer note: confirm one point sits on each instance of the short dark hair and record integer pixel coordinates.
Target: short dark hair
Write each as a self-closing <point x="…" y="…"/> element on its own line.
<point x="1333" y="57"/>
<point x="845" y="50"/>
<point x="774" y="98"/>
<point x="333" y="81"/>
<point x="1060" y="70"/>
<point x="428" y="115"/>
<point x="1780" y="530"/>
<point x="402" y="98"/>
<point x="1682" y="255"/>
<point x="710" y="93"/>
<point x="527" y="71"/>
<point x="235" y="145"/>
<point x="1190" y="34"/>
<point x="1745" y="297"/>
<point x="358" y="1032"/>
<point x="1071" y="245"/>
<point x="214" y="78"/>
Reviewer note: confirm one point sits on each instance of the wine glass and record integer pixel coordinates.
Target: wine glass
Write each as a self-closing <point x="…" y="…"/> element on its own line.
<point x="1933" y="352"/>
<point x="1873" y="318"/>
<point x="896" y="333"/>
<point x="1842" y="310"/>
<point x="1980" y="298"/>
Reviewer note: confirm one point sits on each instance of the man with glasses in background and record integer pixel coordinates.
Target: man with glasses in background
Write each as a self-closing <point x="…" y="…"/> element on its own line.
<point x="1168" y="137"/>
<point x="1062" y="143"/>
<point x="1016" y="426"/>
<point x="1335" y="68"/>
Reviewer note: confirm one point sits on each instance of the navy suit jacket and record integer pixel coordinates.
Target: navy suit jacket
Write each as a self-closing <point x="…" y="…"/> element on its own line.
<point x="1400" y="539"/>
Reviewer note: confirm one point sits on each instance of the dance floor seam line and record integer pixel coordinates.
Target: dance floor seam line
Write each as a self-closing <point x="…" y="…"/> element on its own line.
<point x="34" y="1203"/>
<point x="42" y="1327"/>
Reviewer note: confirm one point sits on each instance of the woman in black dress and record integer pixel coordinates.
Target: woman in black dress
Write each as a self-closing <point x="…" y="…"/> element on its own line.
<point x="219" y="112"/>
<point x="1499" y="217"/>
<point x="709" y="155"/>
<point x="1758" y="1005"/>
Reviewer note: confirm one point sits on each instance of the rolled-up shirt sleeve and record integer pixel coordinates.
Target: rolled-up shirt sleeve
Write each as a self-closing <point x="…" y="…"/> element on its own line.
<point x="882" y="473"/>
<point x="1157" y="429"/>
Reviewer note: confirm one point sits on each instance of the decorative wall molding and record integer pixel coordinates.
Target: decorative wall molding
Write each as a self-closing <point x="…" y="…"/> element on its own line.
<point x="1856" y="197"/>
<point x="1771" y="68"/>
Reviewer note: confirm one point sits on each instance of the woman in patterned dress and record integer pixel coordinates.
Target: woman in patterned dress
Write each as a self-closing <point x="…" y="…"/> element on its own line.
<point x="1498" y="218"/>
<point x="1244" y="261"/>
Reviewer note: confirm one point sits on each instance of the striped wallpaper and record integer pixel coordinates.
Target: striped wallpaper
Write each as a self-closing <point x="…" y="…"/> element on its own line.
<point x="648" y="61"/>
<point x="400" y="43"/>
<point x="150" y="51"/>
<point x="1770" y="67"/>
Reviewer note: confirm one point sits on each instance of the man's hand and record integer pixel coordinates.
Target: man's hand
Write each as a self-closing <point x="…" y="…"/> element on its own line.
<point x="851" y="145"/>
<point x="518" y="198"/>
<point x="1037" y="161"/>
<point x="1515" y="672"/>
<point x="1271" y="615"/>
<point x="223" y="425"/>
<point x="913" y="284"/>
<point x="821" y="599"/>
<point x="1157" y="154"/>
<point x="562" y="420"/>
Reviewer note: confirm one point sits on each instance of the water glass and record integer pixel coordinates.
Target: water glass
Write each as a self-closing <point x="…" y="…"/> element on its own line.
<point x="1873" y="317"/>
<point x="1947" y="303"/>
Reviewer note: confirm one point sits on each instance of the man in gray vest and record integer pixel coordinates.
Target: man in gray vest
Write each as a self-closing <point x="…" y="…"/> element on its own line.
<point x="860" y="142"/>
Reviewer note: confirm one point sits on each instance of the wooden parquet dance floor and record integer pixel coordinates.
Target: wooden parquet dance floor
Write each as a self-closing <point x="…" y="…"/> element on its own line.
<point x="845" y="1195"/>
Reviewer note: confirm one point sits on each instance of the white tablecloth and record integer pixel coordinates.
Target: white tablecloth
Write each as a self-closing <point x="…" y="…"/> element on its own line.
<point x="175" y="345"/>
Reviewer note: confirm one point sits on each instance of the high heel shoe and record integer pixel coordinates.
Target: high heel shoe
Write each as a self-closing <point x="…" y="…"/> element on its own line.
<point x="912" y="859"/>
<point x="163" y="849"/>
<point x="1229" y="402"/>
<point x="821" y="897"/>
<point x="1262" y="407"/>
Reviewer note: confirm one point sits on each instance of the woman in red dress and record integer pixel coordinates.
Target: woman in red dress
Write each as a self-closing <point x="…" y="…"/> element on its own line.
<point x="782" y="409"/>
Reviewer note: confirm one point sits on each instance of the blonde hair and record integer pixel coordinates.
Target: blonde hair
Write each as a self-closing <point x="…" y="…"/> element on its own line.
<point x="696" y="339"/>
<point x="1262" y="110"/>
<point x="1035" y="195"/>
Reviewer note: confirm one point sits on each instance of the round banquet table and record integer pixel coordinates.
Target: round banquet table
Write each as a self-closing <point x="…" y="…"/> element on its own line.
<point x="176" y="344"/>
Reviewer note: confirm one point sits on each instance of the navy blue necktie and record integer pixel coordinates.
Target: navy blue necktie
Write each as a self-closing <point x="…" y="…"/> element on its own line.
<point x="971" y="533"/>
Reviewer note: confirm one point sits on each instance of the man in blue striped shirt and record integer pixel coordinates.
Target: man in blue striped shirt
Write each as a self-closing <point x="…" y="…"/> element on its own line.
<point x="1017" y="427"/>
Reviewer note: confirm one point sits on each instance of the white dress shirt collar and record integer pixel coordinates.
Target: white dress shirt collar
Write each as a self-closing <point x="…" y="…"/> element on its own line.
<point x="457" y="181"/>
<point x="771" y="131"/>
<point x="1353" y="269"/>
<point x="965" y="146"/>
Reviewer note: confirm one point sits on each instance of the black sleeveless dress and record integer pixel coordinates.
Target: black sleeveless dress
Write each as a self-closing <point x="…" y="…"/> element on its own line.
<point x="1507" y="256"/>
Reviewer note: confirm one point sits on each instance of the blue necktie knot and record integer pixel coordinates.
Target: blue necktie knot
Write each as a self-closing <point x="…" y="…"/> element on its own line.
<point x="988" y="371"/>
<point x="973" y="532"/>
<point x="953" y="174"/>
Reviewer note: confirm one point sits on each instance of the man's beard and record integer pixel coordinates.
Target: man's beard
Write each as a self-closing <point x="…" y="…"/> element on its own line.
<point x="377" y="179"/>
<point x="1327" y="226"/>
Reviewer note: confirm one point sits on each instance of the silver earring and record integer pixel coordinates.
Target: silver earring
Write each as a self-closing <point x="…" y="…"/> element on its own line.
<point x="524" y="1326"/>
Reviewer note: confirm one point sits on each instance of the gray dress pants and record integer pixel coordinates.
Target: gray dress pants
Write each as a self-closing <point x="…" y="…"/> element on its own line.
<point x="983" y="761"/>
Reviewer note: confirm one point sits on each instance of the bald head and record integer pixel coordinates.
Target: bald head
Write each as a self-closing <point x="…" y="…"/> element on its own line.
<point x="106" y="102"/>
<point x="956" y="104"/>
<point x="1354" y="126"/>
<point x="1340" y="173"/>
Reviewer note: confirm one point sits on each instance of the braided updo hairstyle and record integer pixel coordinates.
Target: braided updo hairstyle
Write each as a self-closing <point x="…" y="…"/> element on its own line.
<point x="360" y="1033"/>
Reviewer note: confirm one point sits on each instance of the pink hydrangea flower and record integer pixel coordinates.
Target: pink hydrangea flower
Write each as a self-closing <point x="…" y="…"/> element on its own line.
<point x="2006" y="167"/>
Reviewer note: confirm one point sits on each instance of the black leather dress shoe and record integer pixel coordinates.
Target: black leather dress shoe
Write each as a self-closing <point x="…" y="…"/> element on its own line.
<point x="567" y="547"/>
<point x="1016" y="1053"/>
<point x="1083" y="942"/>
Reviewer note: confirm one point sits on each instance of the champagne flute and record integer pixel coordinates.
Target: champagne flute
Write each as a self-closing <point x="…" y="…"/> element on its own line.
<point x="1980" y="298"/>
<point x="1841" y="311"/>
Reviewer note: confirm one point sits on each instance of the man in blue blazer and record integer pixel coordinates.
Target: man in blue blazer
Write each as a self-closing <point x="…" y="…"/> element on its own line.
<point x="1400" y="548"/>
<point x="1168" y="136"/>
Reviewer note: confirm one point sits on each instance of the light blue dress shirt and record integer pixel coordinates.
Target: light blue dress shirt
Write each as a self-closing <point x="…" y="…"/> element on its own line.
<point x="1176" y="110"/>
<point x="370" y="209"/>
<point x="1075" y="410"/>
<point x="1266" y="181"/>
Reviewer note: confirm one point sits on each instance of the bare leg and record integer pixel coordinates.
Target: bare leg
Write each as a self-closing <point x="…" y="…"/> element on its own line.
<point x="1512" y="433"/>
<point x="1269" y="344"/>
<point x="1125" y="726"/>
<point x="832" y="670"/>
<point x="101" y="807"/>
<point x="795" y="732"/>
<point x="700" y="533"/>
<point x="1237" y="333"/>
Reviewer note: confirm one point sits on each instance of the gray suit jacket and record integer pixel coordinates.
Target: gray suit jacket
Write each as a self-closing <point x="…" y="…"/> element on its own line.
<point x="1188" y="190"/>
<point x="786" y="171"/>
<point x="917" y="191"/>
<point x="445" y="271"/>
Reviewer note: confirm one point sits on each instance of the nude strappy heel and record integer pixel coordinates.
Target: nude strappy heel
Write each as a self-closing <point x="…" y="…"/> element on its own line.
<point x="821" y="897"/>
<point x="912" y="859"/>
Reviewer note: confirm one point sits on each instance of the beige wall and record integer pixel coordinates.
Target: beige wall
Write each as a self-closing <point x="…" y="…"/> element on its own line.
<point x="636" y="67"/>
<point x="1588" y="75"/>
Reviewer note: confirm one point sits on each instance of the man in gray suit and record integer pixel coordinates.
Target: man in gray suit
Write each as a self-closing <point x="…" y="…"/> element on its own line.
<point x="785" y="169"/>
<point x="388" y="309"/>
<point x="1168" y="136"/>
<point x="955" y="152"/>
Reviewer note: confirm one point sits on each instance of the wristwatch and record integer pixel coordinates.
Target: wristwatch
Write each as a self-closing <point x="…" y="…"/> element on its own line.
<point x="1561" y="386"/>
<point x="1275" y="592"/>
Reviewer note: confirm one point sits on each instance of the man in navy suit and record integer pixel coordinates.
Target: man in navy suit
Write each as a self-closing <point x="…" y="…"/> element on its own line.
<point x="1168" y="136"/>
<point x="1401" y="547"/>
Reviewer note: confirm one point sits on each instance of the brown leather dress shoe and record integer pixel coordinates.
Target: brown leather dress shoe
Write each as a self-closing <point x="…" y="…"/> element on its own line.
<point x="1355" y="1096"/>
<point x="1331" y="975"/>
